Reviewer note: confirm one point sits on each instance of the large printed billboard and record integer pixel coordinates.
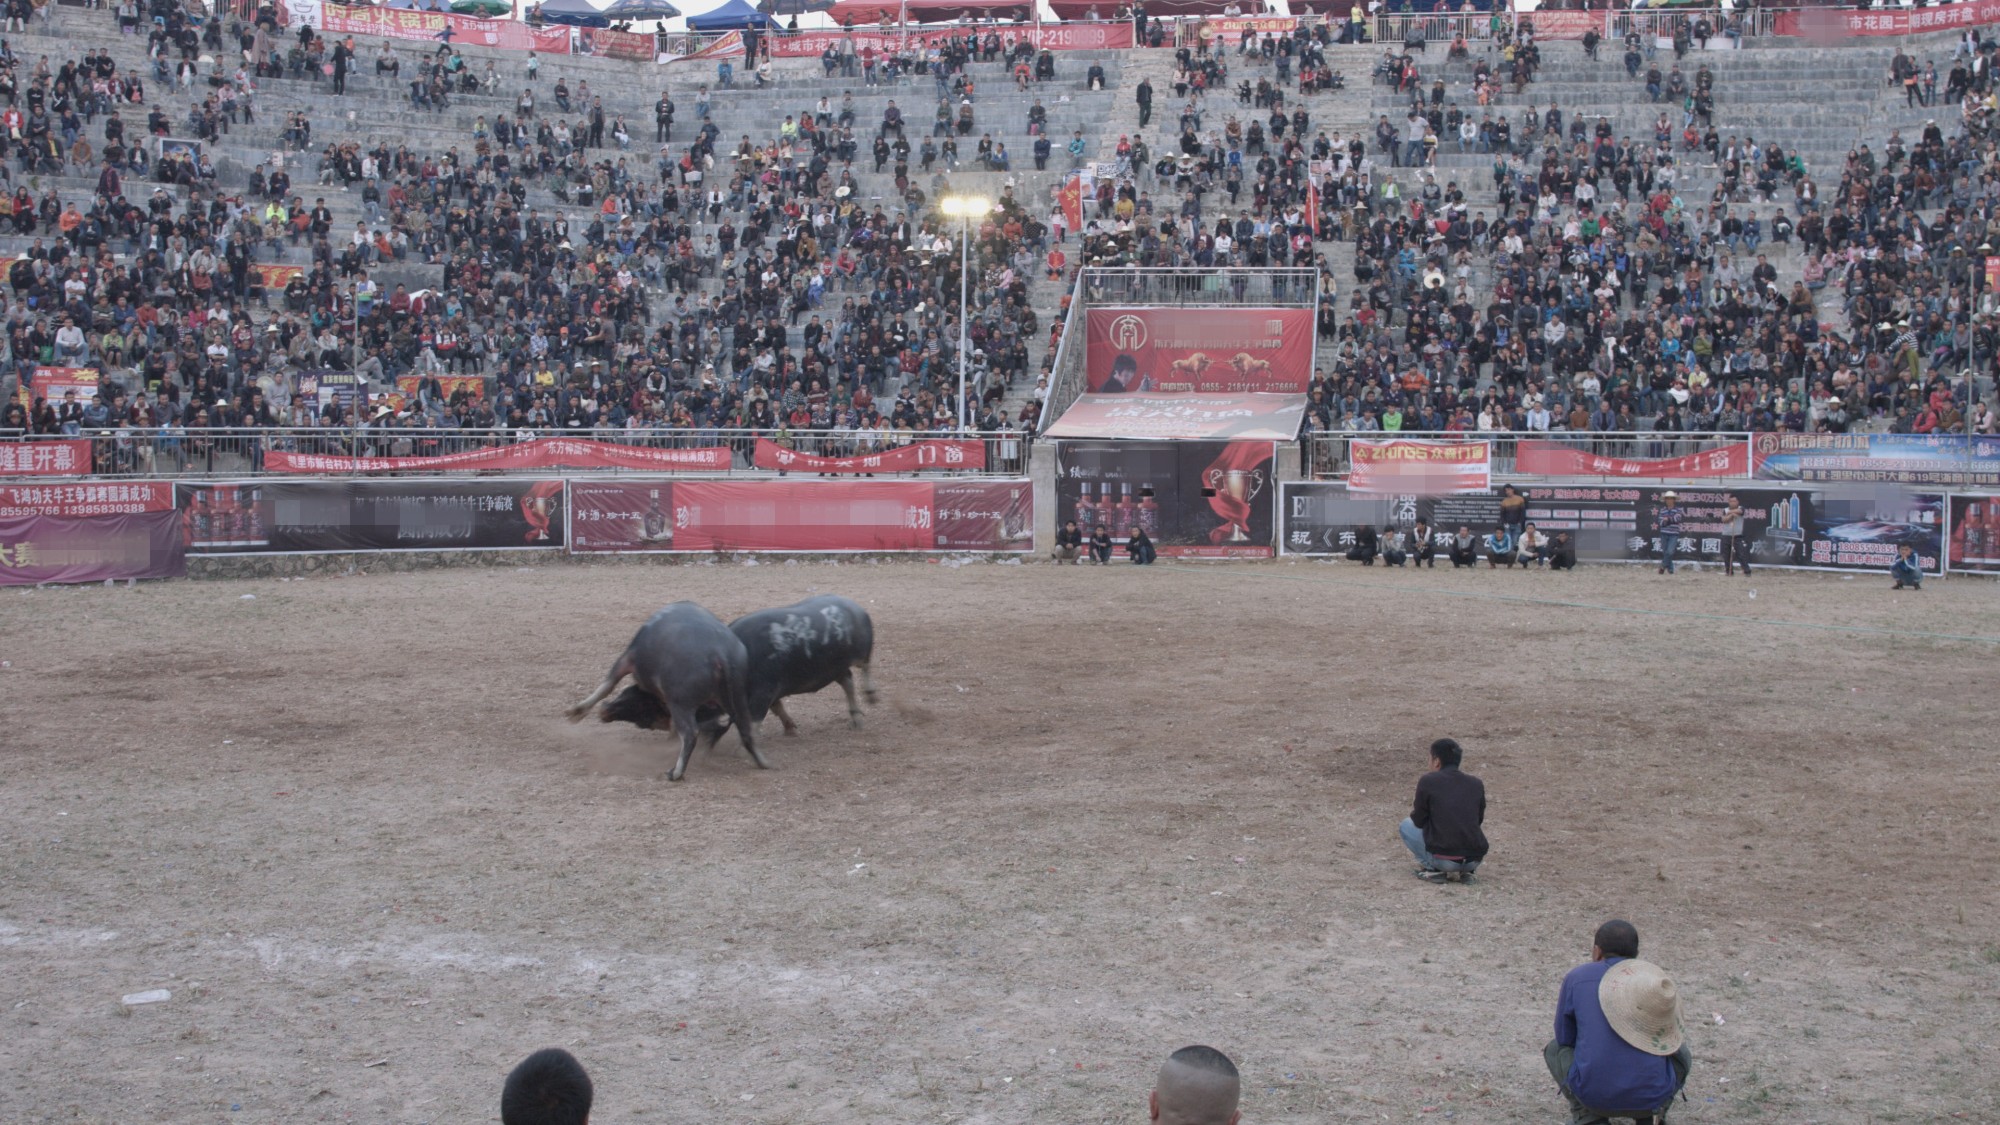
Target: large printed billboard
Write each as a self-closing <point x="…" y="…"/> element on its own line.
<point x="1619" y="523"/>
<point x="1933" y="459"/>
<point x="806" y="515"/>
<point x="308" y="516"/>
<point x="1193" y="498"/>
<point x="1203" y="350"/>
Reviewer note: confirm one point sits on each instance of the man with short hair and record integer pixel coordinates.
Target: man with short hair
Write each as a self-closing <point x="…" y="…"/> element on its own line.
<point x="1445" y="827"/>
<point x="1668" y="517"/>
<point x="1620" y="1048"/>
<point x="549" y="1087"/>
<point x="1197" y="1086"/>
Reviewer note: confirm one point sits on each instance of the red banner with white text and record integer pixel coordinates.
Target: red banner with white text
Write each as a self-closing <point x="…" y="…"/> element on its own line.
<point x="66" y="457"/>
<point x="1048" y="37"/>
<point x="1207" y="350"/>
<point x="1555" y="459"/>
<point x="76" y="501"/>
<point x="911" y="458"/>
<point x="1420" y="468"/>
<point x="1551" y="24"/>
<point x="1832" y="24"/>
<point x="407" y="23"/>
<point x="540" y="453"/>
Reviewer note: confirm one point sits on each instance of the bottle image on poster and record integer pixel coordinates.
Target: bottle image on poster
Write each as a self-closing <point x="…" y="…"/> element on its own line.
<point x="1193" y="498"/>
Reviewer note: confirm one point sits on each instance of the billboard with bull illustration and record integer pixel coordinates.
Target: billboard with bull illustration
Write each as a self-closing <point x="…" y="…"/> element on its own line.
<point x="1198" y="350"/>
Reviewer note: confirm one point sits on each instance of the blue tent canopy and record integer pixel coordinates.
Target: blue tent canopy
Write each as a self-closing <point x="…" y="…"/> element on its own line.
<point x="733" y="15"/>
<point x="641" y="10"/>
<point x="573" y="13"/>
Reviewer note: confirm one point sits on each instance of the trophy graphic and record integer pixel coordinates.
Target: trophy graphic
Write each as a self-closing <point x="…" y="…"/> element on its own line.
<point x="539" y="510"/>
<point x="1242" y="486"/>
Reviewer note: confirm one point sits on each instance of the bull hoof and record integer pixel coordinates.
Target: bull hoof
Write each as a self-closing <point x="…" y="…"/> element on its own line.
<point x="872" y="696"/>
<point x="854" y="721"/>
<point x="791" y="732"/>
<point x="576" y="714"/>
<point x="674" y="775"/>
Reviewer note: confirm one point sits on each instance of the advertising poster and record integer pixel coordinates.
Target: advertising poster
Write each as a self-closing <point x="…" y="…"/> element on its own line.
<point x="293" y="517"/>
<point x="768" y="515"/>
<point x="1975" y="533"/>
<point x="1791" y="528"/>
<point x="984" y="515"/>
<point x="1204" y="350"/>
<point x="914" y="457"/>
<point x="1244" y="417"/>
<point x="1194" y="498"/>
<point x="38" y="548"/>
<point x="1933" y="459"/>
<point x="539" y="453"/>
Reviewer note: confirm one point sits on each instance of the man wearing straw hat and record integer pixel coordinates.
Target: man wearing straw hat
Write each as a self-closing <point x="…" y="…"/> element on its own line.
<point x="1620" y="1049"/>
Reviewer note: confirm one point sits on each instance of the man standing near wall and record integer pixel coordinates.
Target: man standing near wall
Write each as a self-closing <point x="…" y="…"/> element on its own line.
<point x="1667" y="518"/>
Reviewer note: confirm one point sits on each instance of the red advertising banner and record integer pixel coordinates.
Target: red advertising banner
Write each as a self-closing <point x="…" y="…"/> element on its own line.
<point x="774" y="515"/>
<point x="1229" y="29"/>
<point x="36" y="549"/>
<point x="984" y="515"/>
<point x="783" y="515"/>
<point x="1551" y="24"/>
<point x="74" y="501"/>
<point x="1265" y="417"/>
<point x="63" y="457"/>
<point x="1052" y="37"/>
<point x="911" y="458"/>
<point x="1554" y="459"/>
<point x="271" y="275"/>
<point x="406" y="23"/>
<point x="1206" y="350"/>
<point x="1832" y="24"/>
<point x="540" y="453"/>
<point x="1420" y="468"/>
<point x="608" y="44"/>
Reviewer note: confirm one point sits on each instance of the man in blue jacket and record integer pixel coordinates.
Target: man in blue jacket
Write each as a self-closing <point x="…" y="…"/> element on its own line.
<point x="1620" y="1048"/>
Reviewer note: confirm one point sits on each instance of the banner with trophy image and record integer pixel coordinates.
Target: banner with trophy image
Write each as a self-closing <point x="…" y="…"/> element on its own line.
<point x="268" y="517"/>
<point x="1195" y="499"/>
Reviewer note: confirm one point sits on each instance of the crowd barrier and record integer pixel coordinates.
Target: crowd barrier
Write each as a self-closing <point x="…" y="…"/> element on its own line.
<point x="1796" y="528"/>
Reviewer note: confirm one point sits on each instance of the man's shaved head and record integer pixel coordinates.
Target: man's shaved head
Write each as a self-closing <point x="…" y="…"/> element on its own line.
<point x="1197" y="1086"/>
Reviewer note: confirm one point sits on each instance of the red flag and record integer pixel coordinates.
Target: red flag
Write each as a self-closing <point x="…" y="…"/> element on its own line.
<point x="1312" y="207"/>
<point x="1072" y="200"/>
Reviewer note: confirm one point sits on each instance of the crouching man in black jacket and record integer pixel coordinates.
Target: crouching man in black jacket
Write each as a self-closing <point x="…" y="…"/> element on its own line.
<point x="1444" y="829"/>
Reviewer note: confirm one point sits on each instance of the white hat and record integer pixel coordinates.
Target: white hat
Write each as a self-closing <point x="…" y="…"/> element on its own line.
<point x="1642" y="1006"/>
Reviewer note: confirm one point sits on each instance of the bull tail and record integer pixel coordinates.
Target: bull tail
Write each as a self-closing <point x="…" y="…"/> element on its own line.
<point x="619" y="670"/>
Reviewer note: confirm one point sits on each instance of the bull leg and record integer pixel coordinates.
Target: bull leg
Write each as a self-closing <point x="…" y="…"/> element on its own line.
<point x="690" y="732"/>
<point x="853" y="704"/>
<point x="778" y="709"/>
<point x="867" y="686"/>
<point x="746" y="728"/>
<point x="618" y="672"/>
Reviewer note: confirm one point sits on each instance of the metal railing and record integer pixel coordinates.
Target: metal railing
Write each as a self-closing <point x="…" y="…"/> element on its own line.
<point x="1326" y="453"/>
<point x="1137" y="285"/>
<point x="180" y="451"/>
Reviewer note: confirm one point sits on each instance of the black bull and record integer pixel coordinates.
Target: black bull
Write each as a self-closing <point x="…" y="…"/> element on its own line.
<point x="682" y="660"/>
<point x="792" y="650"/>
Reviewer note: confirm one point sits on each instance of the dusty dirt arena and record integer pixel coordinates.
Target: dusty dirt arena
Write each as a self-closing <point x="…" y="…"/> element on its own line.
<point x="1098" y="815"/>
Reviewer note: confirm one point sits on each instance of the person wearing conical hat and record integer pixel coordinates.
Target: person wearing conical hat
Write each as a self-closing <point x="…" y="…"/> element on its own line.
<point x="1620" y="1049"/>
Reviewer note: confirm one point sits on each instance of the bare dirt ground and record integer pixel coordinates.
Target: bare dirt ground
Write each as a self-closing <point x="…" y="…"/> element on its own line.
<point x="1099" y="815"/>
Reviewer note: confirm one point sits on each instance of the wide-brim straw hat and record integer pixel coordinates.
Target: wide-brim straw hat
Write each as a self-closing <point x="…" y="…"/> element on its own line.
<point x="1642" y="1006"/>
